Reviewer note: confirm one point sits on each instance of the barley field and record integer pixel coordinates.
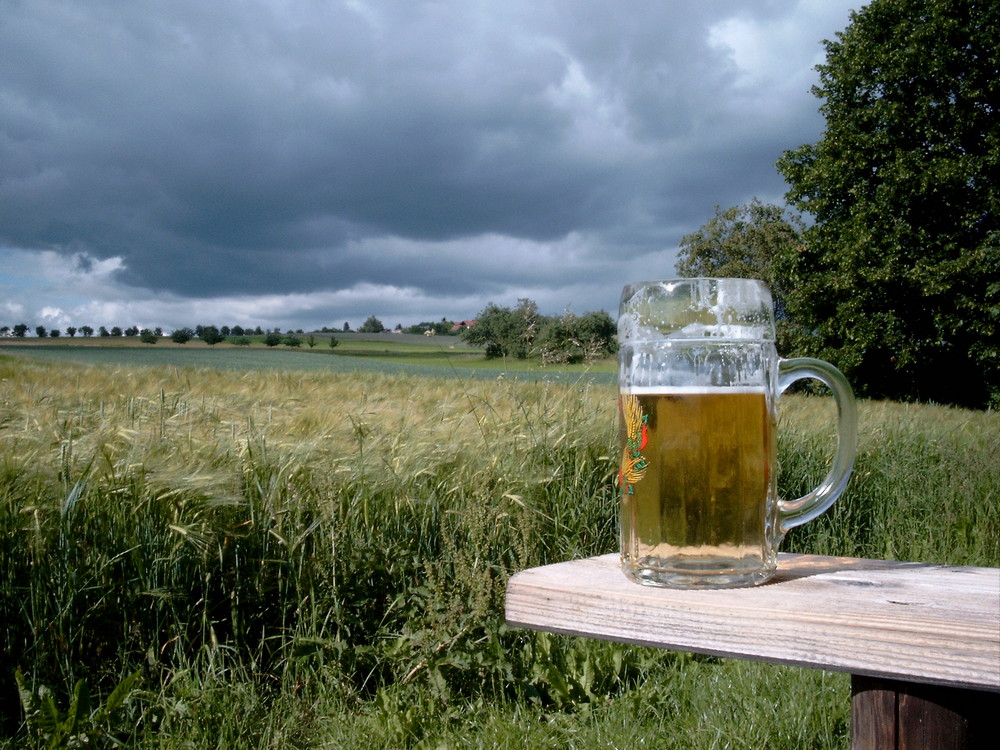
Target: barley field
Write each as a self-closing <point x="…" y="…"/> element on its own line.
<point x="193" y="557"/>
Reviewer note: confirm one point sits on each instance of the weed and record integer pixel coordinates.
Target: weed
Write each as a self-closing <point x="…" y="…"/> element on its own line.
<point x="83" y="724"/>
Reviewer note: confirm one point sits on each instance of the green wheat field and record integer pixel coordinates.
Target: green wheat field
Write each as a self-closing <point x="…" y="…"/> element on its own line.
<point x="276" y="557"/>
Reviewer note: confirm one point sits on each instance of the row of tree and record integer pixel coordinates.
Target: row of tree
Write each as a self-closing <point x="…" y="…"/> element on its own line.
<point x="896" y="277"/>
<point x="21" y="331"/>
<point x="371" y="325"/>
<point x="210" y="334"/>
<point x="443" y="327"/>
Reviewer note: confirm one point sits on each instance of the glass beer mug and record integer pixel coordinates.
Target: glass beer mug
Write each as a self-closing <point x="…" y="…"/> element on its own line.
<point x="699" y="378"/>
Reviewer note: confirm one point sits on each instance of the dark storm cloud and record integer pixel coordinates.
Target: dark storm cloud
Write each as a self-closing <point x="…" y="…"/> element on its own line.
<point x="240" y="147"/>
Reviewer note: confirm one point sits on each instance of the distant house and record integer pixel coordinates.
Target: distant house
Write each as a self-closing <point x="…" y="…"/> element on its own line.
<point x="462" y="325"/>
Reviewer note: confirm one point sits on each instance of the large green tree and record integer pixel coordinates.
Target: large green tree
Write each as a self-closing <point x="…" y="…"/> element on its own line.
<point x="182" y="335"/>
<point x="572" y="338"/>
<point x="522" y="332"/>
<point x="210" y="335"/>
<point x="371" y="325"/>
<point x="898" y="280"/>
<point x="504" y="332"/>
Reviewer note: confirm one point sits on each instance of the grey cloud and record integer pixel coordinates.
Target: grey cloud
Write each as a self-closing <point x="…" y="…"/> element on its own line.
<point x="249" y="147"/>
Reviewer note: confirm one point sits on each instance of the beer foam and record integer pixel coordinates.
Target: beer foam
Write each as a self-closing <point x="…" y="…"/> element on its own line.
<point x="679" y="390"/>
<point x="696" y="309"/>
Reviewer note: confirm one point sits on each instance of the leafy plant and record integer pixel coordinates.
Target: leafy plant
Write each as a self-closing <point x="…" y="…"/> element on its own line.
<point x="83" y="724"/>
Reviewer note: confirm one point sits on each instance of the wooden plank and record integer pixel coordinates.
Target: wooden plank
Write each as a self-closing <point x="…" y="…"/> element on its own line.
<point x="897" y="620"/>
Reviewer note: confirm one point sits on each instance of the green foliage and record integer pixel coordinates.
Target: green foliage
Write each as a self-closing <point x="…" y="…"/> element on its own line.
<point x="83" y="725"/>
<point x="182" y="335"/>
<point x="292" y="341"/>
<point x="504" y="332"/>
<point x="272" y="339"/>
<point x="522" y="332"/>
<point x="210" y="335"/>
<point x="371" y="325"/>
<point x="569" y="339"/>
<point x="897" y="281"/>
<point x="148" y="337"/>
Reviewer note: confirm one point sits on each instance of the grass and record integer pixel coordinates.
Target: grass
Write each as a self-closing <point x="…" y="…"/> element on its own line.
<point x="305" y="558"/>
<point x="926" y="485"/>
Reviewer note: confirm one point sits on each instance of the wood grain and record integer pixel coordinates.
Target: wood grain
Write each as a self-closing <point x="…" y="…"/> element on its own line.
<point x="894" y="715"/>
<point x="898" y="620"/>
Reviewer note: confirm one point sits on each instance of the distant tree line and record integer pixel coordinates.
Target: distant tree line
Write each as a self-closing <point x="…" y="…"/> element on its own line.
<point x="182" y="335"/>
<point x="443" y="327"/>
<point x="20" y="331"/>
<point x="209" y="334"/>
<point x="521" y="333"/>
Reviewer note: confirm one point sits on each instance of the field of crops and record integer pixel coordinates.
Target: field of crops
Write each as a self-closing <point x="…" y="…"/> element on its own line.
<point x="354" y="356"/>
<point x="293" y="558"/>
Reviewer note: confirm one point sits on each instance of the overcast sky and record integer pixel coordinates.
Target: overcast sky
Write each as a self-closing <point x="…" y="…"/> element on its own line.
<point x="305" y="163"/>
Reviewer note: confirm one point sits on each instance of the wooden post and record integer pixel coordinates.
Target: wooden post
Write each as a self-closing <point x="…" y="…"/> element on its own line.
<point x="896" y="715"/>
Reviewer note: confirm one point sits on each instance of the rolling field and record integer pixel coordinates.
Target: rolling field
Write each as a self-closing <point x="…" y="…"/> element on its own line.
<point x="297" y="558"/>
<point x="387" y="354"/>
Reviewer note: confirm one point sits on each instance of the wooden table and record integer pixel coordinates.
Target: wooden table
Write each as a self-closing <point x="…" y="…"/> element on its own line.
<point x="922" y="642"/>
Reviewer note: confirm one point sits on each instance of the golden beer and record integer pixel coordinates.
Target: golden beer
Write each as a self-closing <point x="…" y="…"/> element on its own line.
<point x="699" y="379"/>
<point x="698" y="495"/>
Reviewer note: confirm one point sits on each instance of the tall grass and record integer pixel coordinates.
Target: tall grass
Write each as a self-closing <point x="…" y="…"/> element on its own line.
<point x="926" y="485"/>
<point x="303" y="559"/>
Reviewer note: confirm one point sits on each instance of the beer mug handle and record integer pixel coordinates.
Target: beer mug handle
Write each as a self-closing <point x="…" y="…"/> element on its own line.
<point x="797" y="512"/>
